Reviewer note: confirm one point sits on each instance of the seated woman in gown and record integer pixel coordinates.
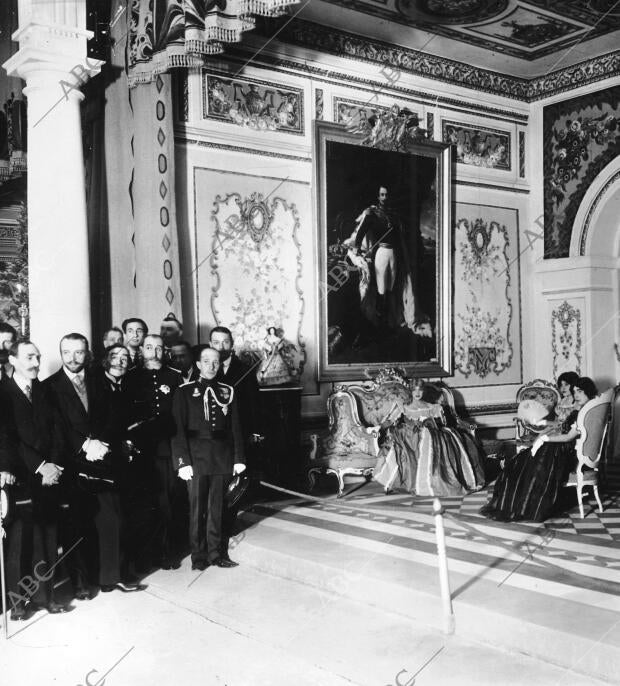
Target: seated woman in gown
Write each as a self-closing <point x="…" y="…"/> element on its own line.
<point x="528" y="486"/>
<point x="423" y="456"/>
<point x="566" y="404"/>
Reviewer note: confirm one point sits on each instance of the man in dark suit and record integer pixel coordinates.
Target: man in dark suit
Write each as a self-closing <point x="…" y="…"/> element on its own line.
<point x="182" y="359"/>
<point x="88" y="430"/>
<point x="135" y="330"/>
<point x="150" y="389"/>
<point x="243" y="379"/>
<point x="8" y="336"/>
<point x="31" y="456"/>
<point x="171" y="332"/>
<point x="207" y="450"/>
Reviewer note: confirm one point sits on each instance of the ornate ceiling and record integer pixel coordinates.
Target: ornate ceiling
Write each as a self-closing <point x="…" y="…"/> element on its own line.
<point x="524" y="39"/>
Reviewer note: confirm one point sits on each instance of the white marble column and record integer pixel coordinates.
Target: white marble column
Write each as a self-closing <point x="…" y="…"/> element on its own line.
<point x="52" y="60"/>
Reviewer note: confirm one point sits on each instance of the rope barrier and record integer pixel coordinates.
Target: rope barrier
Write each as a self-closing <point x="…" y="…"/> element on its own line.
<point x="438" y="510"/>
<point x="4" y="505"/>
<point x="339" y="502"/>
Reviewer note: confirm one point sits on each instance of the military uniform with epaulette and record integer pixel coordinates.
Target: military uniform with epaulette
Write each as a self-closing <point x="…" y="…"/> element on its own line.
<point x="209" y="439"/>
<point x="155" y="492"/>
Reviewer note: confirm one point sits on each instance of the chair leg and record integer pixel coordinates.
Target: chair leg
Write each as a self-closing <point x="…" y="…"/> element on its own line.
<point x="580" y="499"/>
<point x="312" y="479"/>
<point x="340" y="483"/>
<point x="598" y="500"/>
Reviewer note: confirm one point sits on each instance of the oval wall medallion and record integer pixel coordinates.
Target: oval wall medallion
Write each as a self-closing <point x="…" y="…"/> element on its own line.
<point x="256" y="216"/>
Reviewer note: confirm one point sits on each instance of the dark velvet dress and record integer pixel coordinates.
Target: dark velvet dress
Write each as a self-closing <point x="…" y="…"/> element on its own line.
<point x="528" y="486"/>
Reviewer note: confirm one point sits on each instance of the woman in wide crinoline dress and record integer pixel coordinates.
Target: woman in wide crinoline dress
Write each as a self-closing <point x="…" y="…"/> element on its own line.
<point x="424" y="457"/>
<point x="529" y="485"/>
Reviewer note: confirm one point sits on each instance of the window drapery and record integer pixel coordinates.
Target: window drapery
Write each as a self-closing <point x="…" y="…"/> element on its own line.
<point x="163" y="34"/>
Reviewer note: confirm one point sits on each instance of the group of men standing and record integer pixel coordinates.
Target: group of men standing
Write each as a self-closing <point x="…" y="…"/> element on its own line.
<point x="123" y="464"/>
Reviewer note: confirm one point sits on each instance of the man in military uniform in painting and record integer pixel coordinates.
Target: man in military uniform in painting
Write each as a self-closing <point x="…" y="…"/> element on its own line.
<point x="160" y="510"/>
<point x="379" y="234"/>
<point x="207" y="450"/>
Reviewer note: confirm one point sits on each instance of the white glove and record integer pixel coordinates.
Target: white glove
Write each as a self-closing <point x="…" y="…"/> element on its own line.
<point x="50" y="473"/>
<point x="6" y="479"/>
<point x="96" y="450"/>
<point x="186" y="473"/>
<point x="238" y="468"/>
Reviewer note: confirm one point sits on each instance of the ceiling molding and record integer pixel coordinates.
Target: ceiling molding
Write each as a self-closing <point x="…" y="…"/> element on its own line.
<point x="347" y="45"/>
<point x="324" y="75"/>
<point x="582" y="74"/>
<point x="527" y="31"/>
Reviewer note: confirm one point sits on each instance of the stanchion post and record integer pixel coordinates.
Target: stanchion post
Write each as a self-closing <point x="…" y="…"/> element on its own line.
<point x="3" y="504"/>
<point x="444" y="581"/>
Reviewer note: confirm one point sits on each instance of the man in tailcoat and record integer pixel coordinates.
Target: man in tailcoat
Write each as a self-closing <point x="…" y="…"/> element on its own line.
<point x="241" y="377"/>
<point x="94" y="505"/>
<point x="207" y="450"/>
<point x="30" y="462"/>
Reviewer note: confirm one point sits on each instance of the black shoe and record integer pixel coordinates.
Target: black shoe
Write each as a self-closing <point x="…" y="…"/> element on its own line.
<point x="83" y="594"/>
<point x="106" y="588"/>
<point x="55" y="608"/>
<point x="169" y="563"/>
<point x="19" y="614"/>
<point x="199" y="565"/>
<point x="224" y="562"/>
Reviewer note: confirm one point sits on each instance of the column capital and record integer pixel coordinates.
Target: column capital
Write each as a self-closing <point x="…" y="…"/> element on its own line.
<point x="36" y="65"/>
<point x="52" y="41"/>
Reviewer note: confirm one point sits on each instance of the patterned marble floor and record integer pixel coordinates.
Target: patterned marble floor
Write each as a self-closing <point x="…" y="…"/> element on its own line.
<point x="549" y="590"/>
<point x="605" y="525"/>
<point x="582" y="554"/>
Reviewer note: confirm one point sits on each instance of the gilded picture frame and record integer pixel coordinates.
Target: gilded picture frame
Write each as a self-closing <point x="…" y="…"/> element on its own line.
<point x="384" y="256"/>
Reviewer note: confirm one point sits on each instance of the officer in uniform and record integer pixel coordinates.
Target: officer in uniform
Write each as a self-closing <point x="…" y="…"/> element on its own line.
<point x="155" y="491"/>
<point x="207" y="451"/>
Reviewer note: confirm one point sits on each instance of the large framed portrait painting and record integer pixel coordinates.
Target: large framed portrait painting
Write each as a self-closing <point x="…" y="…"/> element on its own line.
<point x="385" y="293"/>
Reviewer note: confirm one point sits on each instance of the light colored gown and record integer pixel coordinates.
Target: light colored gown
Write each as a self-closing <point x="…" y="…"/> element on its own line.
<point x="423" y="456"/>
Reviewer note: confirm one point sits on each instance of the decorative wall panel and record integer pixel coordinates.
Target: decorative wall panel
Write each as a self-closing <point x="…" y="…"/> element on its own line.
<point x="478" y="145"/>
<point x="260" y="105"/>
<point x="318" y="104"/>
<point x="487" y="335"/>
<point x="581" y="136"/>
<point x="251" y="266"/>
<point x="566" y="339"/>
<point x="354" y="114"/>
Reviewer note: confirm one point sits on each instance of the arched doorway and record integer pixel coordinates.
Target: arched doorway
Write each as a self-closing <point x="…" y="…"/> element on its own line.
<point x="596" y="235"/>
<point x="581" y="293"/>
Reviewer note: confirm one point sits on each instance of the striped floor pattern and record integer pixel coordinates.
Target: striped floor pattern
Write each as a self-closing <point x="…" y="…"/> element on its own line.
<point x="564" y="557"/>
<point x="605" y="525"/>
